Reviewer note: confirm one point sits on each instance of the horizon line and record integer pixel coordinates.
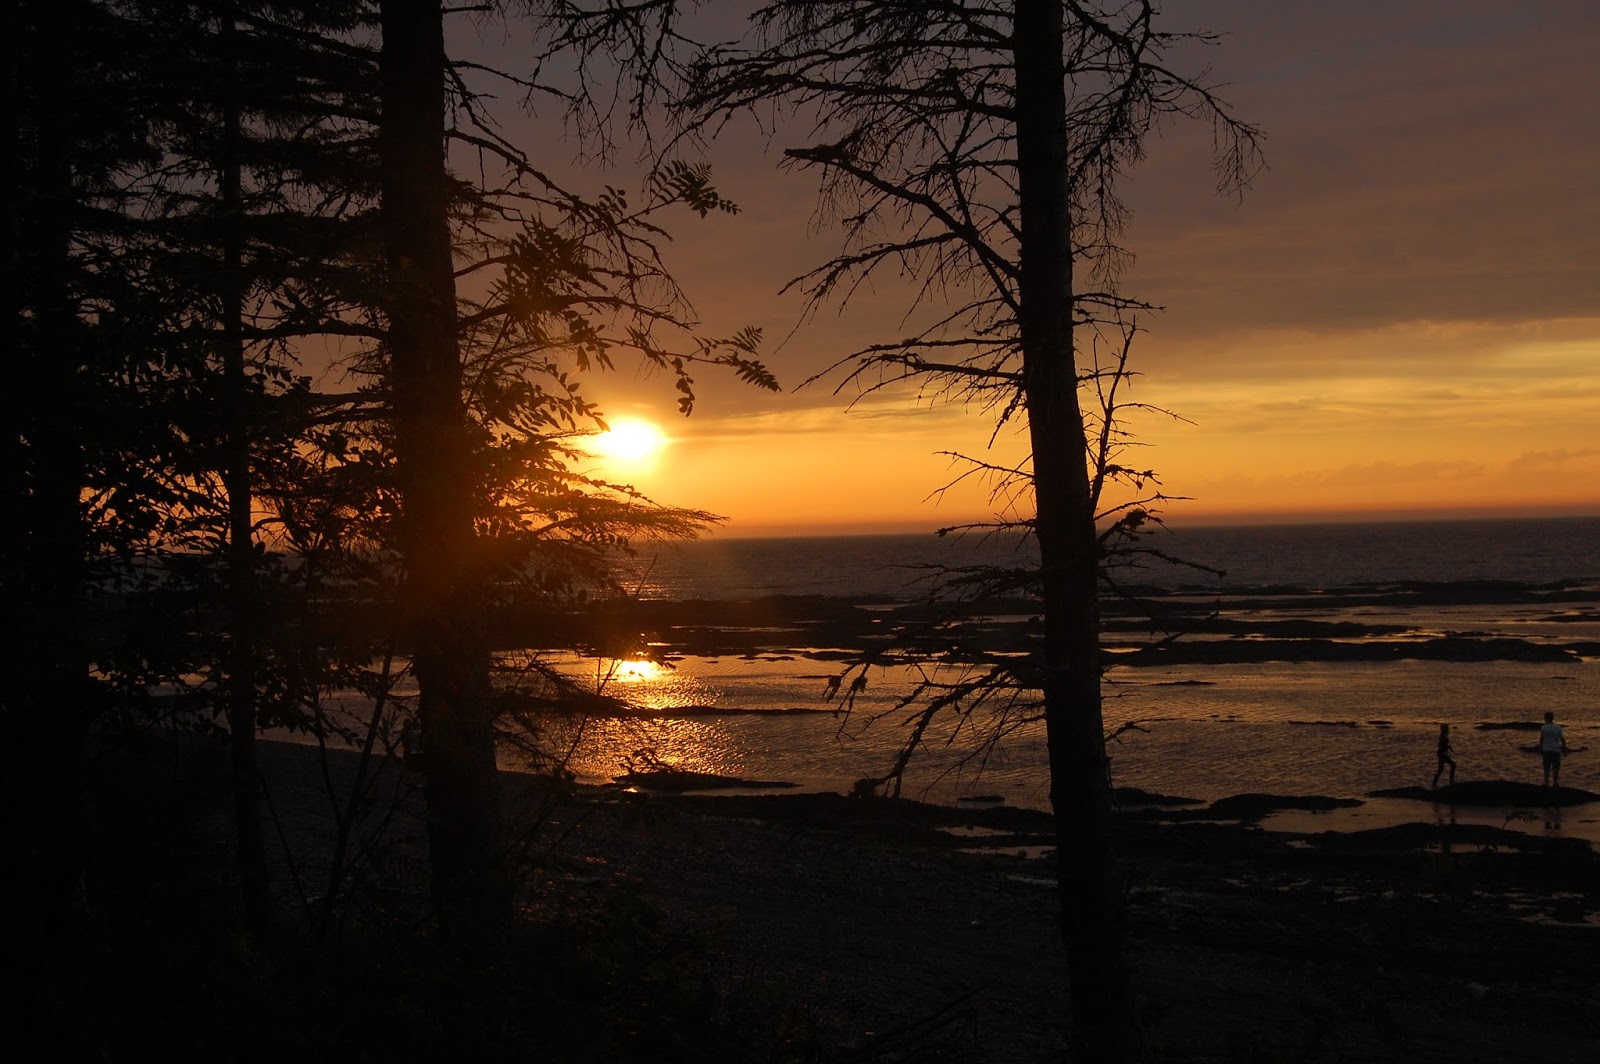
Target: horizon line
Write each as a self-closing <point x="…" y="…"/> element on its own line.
<point x="735" y="529"/>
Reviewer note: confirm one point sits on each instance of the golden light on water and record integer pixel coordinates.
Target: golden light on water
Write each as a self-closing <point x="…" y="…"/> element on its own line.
<point x="637" y="671"/>
<point x="606" y="748"/>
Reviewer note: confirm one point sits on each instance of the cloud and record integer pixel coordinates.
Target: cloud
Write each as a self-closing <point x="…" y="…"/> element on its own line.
<point x="1560" y="468"/>
<point x="1559" y="456"/>
<point x="895" y="415"/>
<point x="1415" y="356"/>
<point x="1391" y="474"/>
<point x="1428" y="161"/>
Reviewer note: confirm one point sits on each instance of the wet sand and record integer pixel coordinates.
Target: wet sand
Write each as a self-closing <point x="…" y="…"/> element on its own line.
<point x="913" y="932"/>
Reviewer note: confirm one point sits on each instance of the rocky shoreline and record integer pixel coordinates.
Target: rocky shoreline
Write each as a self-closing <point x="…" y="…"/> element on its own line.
<point x="1240" y="625"/>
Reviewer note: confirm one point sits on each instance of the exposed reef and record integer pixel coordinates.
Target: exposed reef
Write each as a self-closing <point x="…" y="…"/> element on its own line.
<point x="1159" y="627"/>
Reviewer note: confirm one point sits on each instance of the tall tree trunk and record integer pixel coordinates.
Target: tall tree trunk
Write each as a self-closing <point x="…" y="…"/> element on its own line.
<point x="13" y="453"/>
<point x="243" y="626"/>
<point x="1103" y="1024"/>
<point x="441" y="613"/>
<point x="50" y="700"/>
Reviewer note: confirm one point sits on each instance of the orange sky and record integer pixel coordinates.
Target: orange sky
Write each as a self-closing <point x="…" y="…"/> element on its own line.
<point x="1401" y="317"/>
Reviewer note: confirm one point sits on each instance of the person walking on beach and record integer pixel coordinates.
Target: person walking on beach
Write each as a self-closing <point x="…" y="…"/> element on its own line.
<point x="1552" y="744"/>
<point x="1444" y="756"/>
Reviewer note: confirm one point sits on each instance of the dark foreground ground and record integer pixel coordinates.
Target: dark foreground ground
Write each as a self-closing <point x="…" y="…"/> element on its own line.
<point x="896" y="941"/>
<point x="868" y="930"/>
<point x="1246" y="946"/>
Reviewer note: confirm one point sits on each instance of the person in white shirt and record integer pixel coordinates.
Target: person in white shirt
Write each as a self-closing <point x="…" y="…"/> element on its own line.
<point x="1552" y="744"/>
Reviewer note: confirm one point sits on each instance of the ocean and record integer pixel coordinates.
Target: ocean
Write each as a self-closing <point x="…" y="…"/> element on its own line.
<point x="1413" y="625"/>
<point x="1526" y="551"/>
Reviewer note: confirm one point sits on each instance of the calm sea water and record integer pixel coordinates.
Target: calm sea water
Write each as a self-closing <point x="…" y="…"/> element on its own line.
<point x="1313" y="556"/>
<point x="1202" y="730"/>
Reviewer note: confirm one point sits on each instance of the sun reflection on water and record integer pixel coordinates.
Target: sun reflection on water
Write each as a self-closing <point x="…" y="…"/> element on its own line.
<point x="655" y="685"/>
<point x="610" y="747"/>
<point x="638" y="670"/>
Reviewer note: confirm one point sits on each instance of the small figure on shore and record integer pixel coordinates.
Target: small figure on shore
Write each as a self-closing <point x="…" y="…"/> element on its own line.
<point x="1552" y="744"/>
<point x="1444" y="756"/>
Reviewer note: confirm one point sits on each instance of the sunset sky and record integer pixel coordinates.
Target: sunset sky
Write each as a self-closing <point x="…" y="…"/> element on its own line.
<point x="1401" y="318"/>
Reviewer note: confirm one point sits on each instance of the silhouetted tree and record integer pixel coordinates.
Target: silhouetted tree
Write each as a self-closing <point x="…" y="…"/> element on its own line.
<point x="240" y="237"/>
<point x="434" y="465"/>
<point x="70" y="128"/>
<point x="197" y="200"/>
<point x="974" y="148"/>
<point x="482" y="389"/>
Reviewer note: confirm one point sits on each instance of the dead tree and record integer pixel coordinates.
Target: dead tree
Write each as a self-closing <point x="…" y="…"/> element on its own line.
<point x="974" y="148"/>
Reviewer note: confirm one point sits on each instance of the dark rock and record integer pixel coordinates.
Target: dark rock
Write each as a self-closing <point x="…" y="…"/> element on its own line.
<point x="1255" y="806"/>
<point x="1494" y="794"/>
<point x="1137" y="796"/>
<point x="677" y="780"/>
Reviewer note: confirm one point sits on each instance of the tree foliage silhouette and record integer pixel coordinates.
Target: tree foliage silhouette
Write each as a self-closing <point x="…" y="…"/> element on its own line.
<point x="206" y="193"/>
<point x="491" y="382"/>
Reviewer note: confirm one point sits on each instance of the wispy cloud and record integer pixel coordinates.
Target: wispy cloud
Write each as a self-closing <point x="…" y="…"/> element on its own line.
<point x="1376" y="475"/>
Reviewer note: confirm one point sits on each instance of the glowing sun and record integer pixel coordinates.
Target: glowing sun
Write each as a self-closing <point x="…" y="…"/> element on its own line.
<point x="630" y="444"/>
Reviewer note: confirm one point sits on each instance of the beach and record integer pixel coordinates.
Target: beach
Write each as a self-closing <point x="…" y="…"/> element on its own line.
<point x="905" y="931"/>
<point x="655" y="917"/>
<point x="1295" y="889"/>
<point x="1244" y="946"/>
<point x="1322" y="660"/>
